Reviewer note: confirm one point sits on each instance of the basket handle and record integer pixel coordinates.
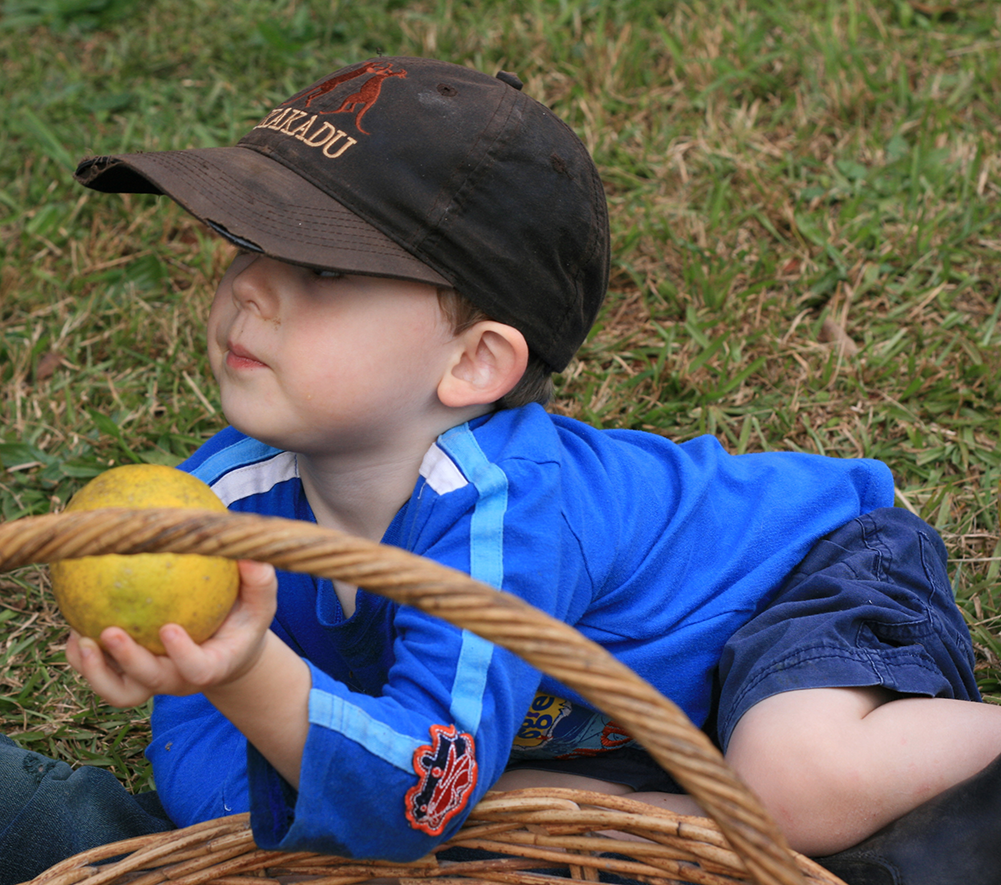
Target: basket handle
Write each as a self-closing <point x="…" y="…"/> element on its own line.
<point x="548" y="644"/>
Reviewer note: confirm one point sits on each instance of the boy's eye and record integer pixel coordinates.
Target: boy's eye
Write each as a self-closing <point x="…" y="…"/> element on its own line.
<point x="328" y="274"/>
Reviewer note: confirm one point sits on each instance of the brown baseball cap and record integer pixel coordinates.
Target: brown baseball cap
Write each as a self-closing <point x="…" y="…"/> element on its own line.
<point x="415" y="169"/>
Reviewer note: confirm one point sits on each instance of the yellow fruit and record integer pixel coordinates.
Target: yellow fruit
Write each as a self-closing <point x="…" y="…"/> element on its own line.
<point x="143" y="592"/>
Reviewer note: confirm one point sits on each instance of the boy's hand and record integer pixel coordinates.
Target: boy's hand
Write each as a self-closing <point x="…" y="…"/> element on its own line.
<point x="125" y="674"/>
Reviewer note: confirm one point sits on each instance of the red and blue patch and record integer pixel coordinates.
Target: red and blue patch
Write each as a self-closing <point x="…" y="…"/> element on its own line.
<point x="446" y="772"/>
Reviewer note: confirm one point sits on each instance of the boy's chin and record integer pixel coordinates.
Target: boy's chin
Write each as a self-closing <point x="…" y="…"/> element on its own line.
<point x="253" y="426"/>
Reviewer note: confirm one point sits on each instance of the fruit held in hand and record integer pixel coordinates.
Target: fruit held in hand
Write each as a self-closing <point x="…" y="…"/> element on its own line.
<point x="141" y="593"/>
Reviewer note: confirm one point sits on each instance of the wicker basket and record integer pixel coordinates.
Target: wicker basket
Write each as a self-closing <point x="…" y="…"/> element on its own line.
<point x="529" y="834"/>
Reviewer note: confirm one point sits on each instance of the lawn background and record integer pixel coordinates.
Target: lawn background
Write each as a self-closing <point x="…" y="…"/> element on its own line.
<point x="804" y="207"/>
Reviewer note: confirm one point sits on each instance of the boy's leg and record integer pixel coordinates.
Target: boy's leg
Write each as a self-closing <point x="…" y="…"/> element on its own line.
<point x="50" y="811"/>
<point x="836" y="765"/>
<point x="526" y="778"/>
<point x="621" y="772"/>
<point x="851" y="698"/>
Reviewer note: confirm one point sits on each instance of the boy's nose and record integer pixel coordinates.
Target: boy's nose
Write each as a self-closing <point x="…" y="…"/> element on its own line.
<point x="254" y="287"/>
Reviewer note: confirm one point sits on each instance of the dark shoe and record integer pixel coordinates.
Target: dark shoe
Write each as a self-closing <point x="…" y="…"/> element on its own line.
<point x="952" y="839"/>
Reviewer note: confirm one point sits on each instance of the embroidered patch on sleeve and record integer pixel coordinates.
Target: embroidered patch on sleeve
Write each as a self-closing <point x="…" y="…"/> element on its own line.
<point x="446" y="772"/>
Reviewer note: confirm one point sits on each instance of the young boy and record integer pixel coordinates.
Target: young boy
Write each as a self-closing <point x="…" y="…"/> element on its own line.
<point x="422" y="246"/>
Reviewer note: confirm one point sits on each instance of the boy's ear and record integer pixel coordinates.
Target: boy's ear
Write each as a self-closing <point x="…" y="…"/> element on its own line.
<point x="490" y="359"/>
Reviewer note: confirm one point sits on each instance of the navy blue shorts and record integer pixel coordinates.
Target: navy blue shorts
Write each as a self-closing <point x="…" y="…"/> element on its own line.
<point x="870" y="605"/>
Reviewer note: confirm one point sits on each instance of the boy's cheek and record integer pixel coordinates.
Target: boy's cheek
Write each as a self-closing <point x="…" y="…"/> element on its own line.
<point x="215" y="361"/>
<point x="215" y="340"/>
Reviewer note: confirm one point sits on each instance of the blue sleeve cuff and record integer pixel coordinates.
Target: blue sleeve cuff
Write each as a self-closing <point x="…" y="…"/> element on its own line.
<point x="357" y="781"/>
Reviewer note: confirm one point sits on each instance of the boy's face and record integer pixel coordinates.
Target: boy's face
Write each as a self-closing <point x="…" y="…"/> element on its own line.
<point x="324" y="364"/>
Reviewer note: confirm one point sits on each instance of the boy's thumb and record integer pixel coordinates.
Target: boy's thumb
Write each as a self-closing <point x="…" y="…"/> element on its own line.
<point x="256" y="574"/>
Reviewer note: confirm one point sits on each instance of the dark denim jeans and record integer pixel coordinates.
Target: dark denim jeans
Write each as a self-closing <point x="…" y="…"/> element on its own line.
<point x="50" y="811"/>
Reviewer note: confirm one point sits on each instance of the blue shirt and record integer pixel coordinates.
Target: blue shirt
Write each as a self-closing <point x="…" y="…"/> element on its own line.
<point x="657" y="551"/>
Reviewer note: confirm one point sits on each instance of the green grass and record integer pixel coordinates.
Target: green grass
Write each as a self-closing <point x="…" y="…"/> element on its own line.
<point x="805" y="212"/>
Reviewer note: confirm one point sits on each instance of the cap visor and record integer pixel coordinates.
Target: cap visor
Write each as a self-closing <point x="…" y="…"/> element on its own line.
<point x="260" y="205"/>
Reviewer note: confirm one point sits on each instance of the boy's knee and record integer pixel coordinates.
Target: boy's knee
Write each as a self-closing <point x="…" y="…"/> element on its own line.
<point x="774" y="758"/>
<point x="801" y="768"/>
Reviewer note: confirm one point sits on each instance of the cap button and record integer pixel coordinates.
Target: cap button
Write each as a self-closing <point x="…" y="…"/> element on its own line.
<point x="510" y="79"/>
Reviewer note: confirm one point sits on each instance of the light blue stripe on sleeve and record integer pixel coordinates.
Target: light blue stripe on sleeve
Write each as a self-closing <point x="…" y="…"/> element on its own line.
<point x="486" y="558"/>
<point x="470" y="681"/>
<point x="333" y="712"/>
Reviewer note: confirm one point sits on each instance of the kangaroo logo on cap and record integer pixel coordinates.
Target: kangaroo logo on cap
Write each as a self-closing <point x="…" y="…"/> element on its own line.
<point x="360" y="101"/>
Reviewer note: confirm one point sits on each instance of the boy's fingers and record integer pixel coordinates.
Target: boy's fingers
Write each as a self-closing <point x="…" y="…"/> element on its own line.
<point x="73" y="650"/>
<point x="190" y="660"/>
<point x="81" y="649"/>
<point x="114" y="687"/>
<point x="176" y="640"/>
<point x="138" y="664"/>
<point x="215" y="660"/>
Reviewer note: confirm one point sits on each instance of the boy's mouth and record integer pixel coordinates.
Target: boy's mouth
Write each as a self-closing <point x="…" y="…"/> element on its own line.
<point x="238" y="357"/>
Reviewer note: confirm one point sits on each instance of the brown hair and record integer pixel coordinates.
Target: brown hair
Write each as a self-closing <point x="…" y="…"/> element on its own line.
<point x="535" y="386"/>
